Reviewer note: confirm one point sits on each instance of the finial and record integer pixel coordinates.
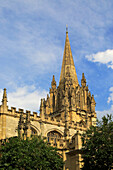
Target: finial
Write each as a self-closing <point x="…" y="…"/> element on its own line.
<point x="42" y="102"/>
<point x="92" y="99"/>
<point x="53" y="78"/>
<point x="4" y="92"/>
<point x="66" y="28"/>
<point x="47" y="96"/>
<point x="89" y="94"/>
<point x="83" y="76"/>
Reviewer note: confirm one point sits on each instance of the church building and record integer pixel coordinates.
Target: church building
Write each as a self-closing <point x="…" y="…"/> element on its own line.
<point x="66" y="113"/>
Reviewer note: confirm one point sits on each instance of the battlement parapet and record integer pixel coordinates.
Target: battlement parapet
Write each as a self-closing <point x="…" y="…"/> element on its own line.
<point x="21" y="110"/>
<point x="54" y="120"/>
<point x="35" y="115"/>
<point x="16" y="113"/>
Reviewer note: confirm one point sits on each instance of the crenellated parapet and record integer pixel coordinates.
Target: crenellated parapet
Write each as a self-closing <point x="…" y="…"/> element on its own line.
<point x="17" y="112"/>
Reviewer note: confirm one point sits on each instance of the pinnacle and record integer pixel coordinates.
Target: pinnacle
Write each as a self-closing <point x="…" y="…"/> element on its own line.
<point x="53" y="83"/>
<point x="4" y="94"/>
<point x="92" y="99"/>
<point x="53" y="80"/>
<point x="89" y="94"/>
<point x="83" y="80"/>
<point x="42" y="103"/>
<point x="4" y="100"/>
<point x="68" y="67"/>
<point x="83" y="77"/>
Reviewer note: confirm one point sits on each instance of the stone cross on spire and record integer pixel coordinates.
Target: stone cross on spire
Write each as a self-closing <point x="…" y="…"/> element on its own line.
<point x="68" y="67"/>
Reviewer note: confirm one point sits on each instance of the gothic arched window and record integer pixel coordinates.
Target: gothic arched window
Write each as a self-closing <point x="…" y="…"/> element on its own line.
<point x="53" y="137"/>
<point x="33" y="132"/>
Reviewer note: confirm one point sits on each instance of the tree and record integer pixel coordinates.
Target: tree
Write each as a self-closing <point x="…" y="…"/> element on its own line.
<point x="29" y="154"/>
<point x="98" y="146"/>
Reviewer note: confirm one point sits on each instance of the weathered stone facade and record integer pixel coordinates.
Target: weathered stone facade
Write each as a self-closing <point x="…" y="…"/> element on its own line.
<point x="65" y="114"/>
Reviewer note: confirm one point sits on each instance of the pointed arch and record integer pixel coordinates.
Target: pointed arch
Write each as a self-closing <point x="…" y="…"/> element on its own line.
<point x="54" y="129"/>
<point x="35" y="130"/>
<point x="82" y="123"/>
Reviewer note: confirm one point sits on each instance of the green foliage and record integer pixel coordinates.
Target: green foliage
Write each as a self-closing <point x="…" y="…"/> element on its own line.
<point x="98" y="146"/>
<point x="29" y="154"/>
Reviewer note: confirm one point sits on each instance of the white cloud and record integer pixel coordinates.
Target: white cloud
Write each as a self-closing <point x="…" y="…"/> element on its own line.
<point x="27" y="97"/>
<point x="100" y="114"/>
<point x="105" y="57"/>
<point x="110" y="98"/>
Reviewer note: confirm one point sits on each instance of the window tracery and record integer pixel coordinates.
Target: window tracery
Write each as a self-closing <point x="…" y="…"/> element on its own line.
<point x="53" y="137"/>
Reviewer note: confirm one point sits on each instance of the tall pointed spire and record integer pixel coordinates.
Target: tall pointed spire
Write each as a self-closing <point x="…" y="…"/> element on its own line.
<point x="68" y="67"/>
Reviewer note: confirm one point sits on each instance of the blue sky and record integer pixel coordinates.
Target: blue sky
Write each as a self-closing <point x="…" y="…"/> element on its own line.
<point x="32" y="38"/>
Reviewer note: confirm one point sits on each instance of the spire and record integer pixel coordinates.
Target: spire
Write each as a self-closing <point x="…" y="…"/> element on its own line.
<point x="68" y="67"/>
<point x="4" y="100"/>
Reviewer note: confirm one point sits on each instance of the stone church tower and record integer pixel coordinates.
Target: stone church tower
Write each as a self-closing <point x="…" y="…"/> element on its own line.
<point x="67" y="112"/>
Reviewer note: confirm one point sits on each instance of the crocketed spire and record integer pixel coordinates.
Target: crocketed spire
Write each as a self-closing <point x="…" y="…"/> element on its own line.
<point x="68" y="67"/>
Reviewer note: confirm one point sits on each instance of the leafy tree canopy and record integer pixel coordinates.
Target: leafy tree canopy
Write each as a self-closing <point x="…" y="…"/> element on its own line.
<point x="98" y="145"/>
<point x="29" y="154"/>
